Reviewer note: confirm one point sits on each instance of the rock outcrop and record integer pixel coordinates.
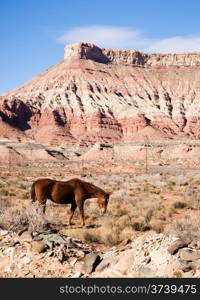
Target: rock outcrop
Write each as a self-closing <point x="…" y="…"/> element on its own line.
<point x="105" y="95"/>
<point x="52" y="254"/>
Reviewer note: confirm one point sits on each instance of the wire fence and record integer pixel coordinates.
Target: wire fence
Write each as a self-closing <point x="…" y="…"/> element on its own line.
<point x="12" y="162"/>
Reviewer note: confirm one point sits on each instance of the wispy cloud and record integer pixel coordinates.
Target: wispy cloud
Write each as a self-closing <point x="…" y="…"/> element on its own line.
<point x="104" y="36"/>
<point x="130" y="38"/>
<point x="177" y="44"/>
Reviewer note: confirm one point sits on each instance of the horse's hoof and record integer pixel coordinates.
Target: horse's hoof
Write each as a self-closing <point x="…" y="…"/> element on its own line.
<point x="71" y="224"/>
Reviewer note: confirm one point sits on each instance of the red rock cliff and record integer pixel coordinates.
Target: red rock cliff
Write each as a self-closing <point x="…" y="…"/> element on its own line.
<point x="99" y="94"/>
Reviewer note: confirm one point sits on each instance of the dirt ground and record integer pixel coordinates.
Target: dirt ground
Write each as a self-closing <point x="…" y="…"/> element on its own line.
<point x="165" y="201"/>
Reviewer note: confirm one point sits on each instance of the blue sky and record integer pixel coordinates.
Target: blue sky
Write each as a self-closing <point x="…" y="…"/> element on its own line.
<point x="33" y="33"/>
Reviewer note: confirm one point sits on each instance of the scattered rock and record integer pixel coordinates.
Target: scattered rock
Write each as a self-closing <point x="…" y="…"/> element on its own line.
<point x="61" y="254"/>
<point x="26" y="260"/>
<point x="39" y="246"/>
<point x="149" y="255"/>
<point x="146" y="272"/>
<point x="188" y="254"/>
<point x="195" y="245"/>
<point x="147" y="260"/>
<point x="7" y="269"/>
<point x="176" y="246"/>
<point x="187" y="268"/>
<point x="123" y="244"/>
<point x="162" y="218"/>
<point x="50" y="253"/>
<point x="3" y="232"/>
<point x="9" y="251"/>
<point x="91" y="261"/>
<point x="80" y="253"/>
<point x="105" y="263"/>
<point x="77" y="275"/>
<point x="25" y="237"/>
<point x="72" y="263"/>
<point x="52" y="239"/>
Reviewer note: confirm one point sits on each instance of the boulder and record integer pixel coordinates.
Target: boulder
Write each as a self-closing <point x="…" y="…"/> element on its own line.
<point x="77" y="275"/>
<point x="188" y="254"/>
<point x="3" y="232"/>
<point x="39" y="246"/>
<point x="26" y="260"/>
<point x="146" y="272"/>
<point x="26" y="236"/>
<point x="91" y="261"/>
<point x="105" y="263"/>
<point x="173" y="249"/>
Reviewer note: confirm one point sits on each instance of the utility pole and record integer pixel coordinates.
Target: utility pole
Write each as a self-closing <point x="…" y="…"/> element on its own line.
<point x="113" y="147"/>
<point x="146" y="154"/>
<point x="9" y="161"/>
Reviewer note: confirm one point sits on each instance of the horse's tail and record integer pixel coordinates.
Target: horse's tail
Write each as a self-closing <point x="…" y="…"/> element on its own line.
<point x="33" y="192"/>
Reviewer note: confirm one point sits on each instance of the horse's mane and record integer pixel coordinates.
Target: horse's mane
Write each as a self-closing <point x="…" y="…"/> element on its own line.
<point x="94" y="187"/>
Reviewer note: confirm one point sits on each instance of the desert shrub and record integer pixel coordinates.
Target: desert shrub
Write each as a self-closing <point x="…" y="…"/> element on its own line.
<point x="120" y="195"/>
<point x="179" y="204"/>
<point x="178" y="274"/>
<point x="149" y="215"/>
<point x="124" y="221"/>
<point x="25" y="195"/>
<point x="194" y="201"/>
<point x="188" y="227"/>
<point x="120" y="211"/>
<point x="148" y="207"/>
<point x="10" y="190"/>
<point x="12" y="193"/>
<point x="23" y="185"/>
<point x="115" y="230"/>
<point x="171" y="183"/>
<point x="140" y="224"/>
<point x="16" y="218"/>
<point x="36" y="220"/>
<point x="92" y="237"/>
<point x="157" y="226"/>
<point x="4" y="192"/>
<point x="1" y="184"/>
<point x="4" y="204"/>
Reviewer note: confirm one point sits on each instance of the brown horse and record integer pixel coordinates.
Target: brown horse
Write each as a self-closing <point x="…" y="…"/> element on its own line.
<point x="74" y="191"/>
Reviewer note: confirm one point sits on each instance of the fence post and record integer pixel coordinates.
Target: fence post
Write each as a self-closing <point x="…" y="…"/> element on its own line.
<point x="9" y="161"/>
<point x="146" y="155"/>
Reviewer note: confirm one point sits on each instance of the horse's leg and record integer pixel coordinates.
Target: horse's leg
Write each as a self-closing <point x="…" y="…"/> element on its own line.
<point x="72" y="210"/>
<point x="41" y="201"/>
<point x="81" y="211"/>
<point x="80" y="202"/>
<point x="41" y="206"/>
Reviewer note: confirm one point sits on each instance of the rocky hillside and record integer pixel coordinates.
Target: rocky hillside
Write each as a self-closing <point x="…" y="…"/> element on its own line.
<point x="102" y="95"/>
<point x="49" y="253"/>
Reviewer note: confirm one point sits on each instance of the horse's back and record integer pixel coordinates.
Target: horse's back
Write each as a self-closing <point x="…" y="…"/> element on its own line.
<point x="43" y="187"/>
<point x="63" y="192"/>
<point x="44" y="181"/>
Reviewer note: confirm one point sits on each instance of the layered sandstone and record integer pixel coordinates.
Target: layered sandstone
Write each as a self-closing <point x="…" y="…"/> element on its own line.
<point x="97" y="95"/>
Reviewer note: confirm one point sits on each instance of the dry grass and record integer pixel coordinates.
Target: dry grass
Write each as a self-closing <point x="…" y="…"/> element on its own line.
<point x="179" y="204"/>
<point x="19" y="216"/>
<point x="138" y="203"/>
<point x="187" y="227"/>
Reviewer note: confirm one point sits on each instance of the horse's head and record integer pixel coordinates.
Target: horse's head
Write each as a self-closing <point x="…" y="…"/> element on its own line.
<point x="103" y="202"/>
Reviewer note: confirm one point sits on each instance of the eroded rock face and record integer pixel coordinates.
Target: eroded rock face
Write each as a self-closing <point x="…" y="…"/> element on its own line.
<point x="105" y="95"/>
